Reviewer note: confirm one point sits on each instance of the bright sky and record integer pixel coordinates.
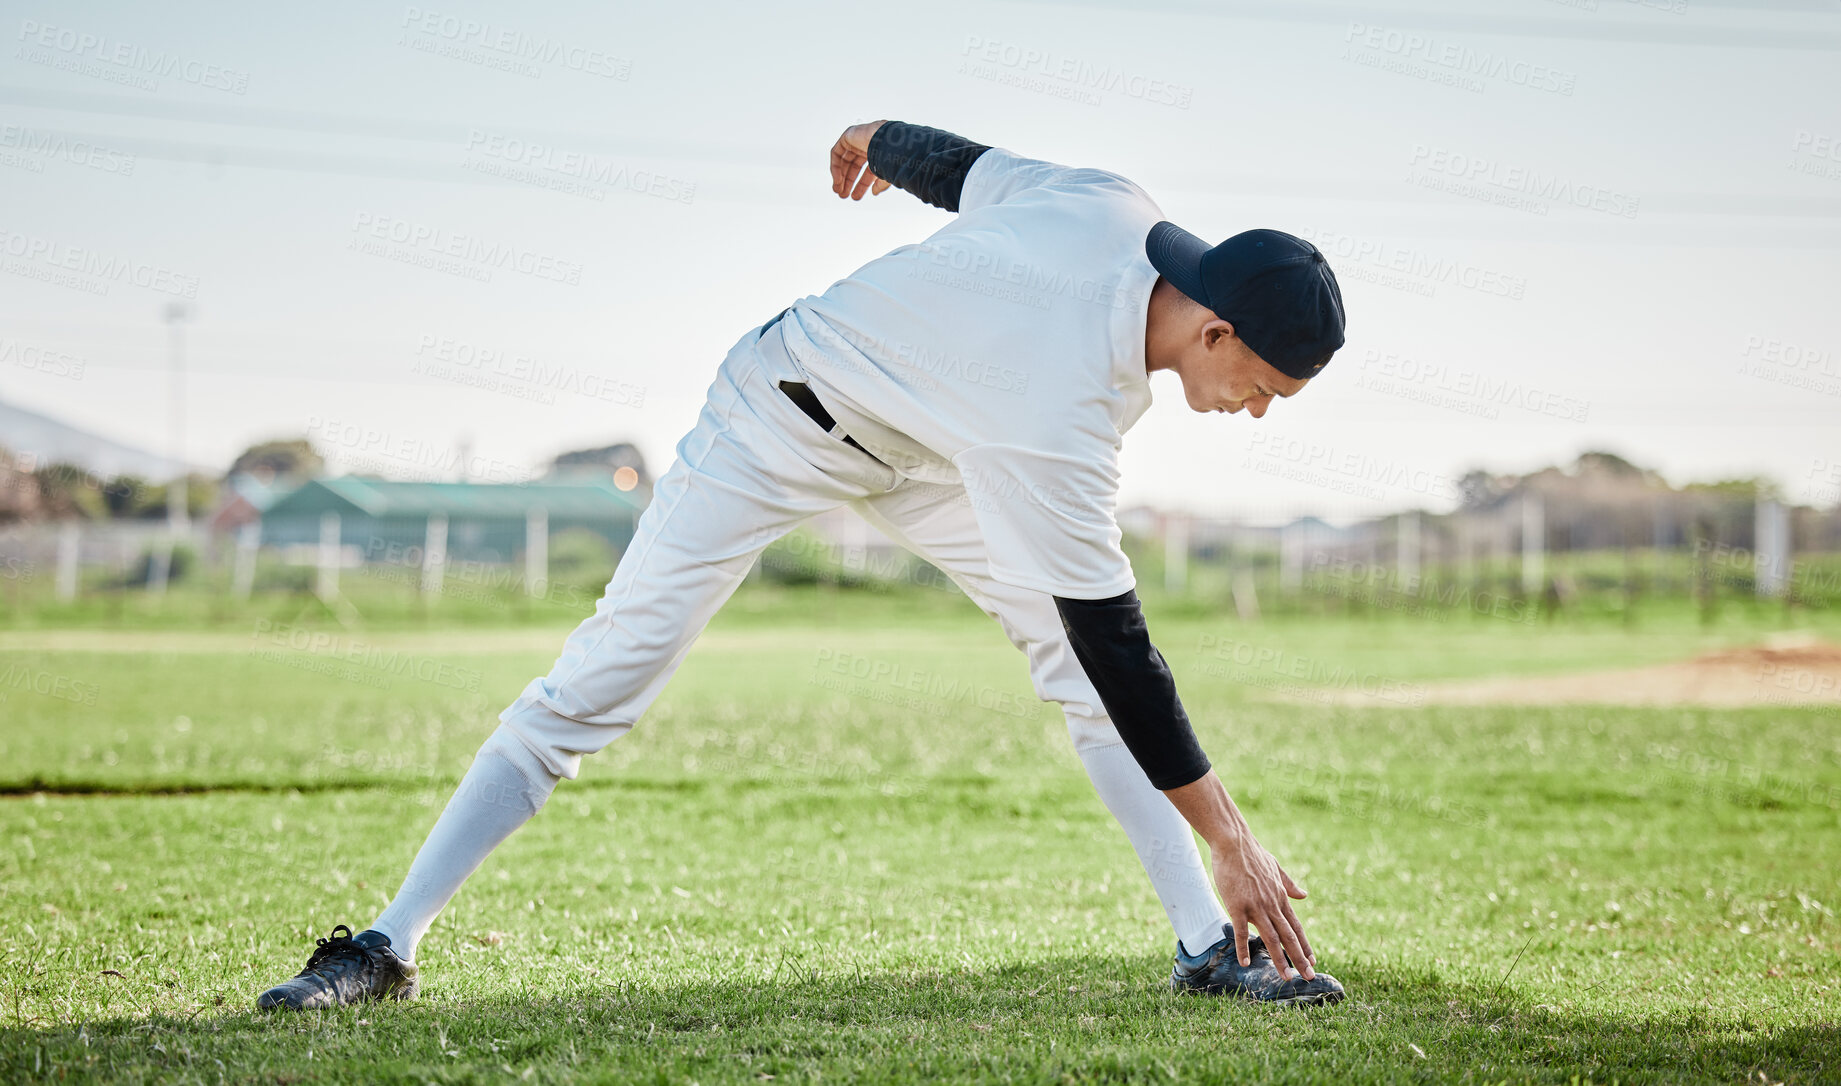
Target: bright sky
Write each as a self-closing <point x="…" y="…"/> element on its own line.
<point x="1559" y="224"/>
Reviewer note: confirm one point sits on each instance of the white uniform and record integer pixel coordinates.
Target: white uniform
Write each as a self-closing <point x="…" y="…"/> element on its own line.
<point x="991" y="370"/>
<point x="1004" y="354"/>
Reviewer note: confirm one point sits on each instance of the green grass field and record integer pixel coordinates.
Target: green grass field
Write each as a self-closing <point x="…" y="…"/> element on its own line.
<point x="849" y="845"/>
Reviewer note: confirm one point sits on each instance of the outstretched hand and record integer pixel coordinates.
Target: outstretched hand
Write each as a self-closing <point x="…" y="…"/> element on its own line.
<point x="1254" y="888"/>
<point x="850" y="173"/>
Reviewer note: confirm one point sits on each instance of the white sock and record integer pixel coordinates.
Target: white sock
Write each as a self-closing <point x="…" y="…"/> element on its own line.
<point x="1203" y="942"/>
<point x="1163" y="841"/>
<point x="506" y="785"/>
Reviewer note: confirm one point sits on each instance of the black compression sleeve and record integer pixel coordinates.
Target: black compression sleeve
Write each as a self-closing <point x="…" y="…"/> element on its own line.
<point x="927" y="162"/>
<point x="1135" y="685"/>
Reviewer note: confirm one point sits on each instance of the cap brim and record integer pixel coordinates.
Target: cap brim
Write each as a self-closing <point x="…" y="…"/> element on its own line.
<point x="1177" y="256"/>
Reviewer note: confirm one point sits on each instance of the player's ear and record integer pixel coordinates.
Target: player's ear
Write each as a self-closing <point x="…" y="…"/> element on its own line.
<point x="1214" y="331"/>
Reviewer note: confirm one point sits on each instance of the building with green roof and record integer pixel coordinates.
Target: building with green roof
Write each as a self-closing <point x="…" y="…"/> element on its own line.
<point x="485" y="522"/>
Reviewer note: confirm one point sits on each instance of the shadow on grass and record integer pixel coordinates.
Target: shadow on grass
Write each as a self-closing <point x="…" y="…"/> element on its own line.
<point x="1056" y="1020"/>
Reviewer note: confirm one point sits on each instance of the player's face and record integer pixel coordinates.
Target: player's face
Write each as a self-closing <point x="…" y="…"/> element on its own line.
<point x="1221" y="373"/>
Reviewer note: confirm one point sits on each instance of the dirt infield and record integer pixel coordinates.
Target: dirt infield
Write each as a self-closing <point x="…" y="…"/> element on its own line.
<point x="1790" y="669"/>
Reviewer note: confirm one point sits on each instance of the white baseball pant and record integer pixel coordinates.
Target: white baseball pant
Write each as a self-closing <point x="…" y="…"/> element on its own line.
<point x="752" y="469"/>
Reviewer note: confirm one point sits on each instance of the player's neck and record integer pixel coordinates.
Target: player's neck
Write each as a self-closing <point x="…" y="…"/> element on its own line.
<point x="1163" y="332"/>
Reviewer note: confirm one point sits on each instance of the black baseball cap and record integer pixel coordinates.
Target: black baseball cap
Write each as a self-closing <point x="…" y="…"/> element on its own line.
<point x="1275" y="289"/>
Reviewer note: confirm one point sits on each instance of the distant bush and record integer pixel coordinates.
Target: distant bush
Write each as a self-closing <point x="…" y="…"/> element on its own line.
<point x="184" y="561"/>
<point x="285" y="578"/>
<point x="802" y="558"/>
<point x="581" y="559"/>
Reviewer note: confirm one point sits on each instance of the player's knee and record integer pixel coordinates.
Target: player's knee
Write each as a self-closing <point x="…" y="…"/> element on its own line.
<point x="1090" y="732"/>
<point x="558" y="742"/>
<point x="506" y="748"/>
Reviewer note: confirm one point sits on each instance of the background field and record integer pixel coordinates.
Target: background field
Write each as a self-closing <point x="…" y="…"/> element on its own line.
<point x="848" y="843"/>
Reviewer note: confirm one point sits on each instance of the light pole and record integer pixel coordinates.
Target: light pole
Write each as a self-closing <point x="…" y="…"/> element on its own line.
<point x="177" y="313"/>
<point x="178" y="522"/>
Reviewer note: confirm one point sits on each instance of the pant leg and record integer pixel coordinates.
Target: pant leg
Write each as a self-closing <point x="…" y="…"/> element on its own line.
<point x="936" y="522"/>
<point x="752" y="469"/>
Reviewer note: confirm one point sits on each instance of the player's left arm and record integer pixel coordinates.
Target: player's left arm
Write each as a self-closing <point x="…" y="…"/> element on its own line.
<point x="1113" y="644"/>
<point x="937" y="167"/>
<point x="1046" y="510"/>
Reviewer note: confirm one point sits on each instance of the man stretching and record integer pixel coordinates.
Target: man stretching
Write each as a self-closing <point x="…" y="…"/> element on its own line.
<point x="967" y="395"/>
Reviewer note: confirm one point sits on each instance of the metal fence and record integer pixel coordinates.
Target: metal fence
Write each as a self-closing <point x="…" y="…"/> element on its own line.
<point x="1527" y="546"/>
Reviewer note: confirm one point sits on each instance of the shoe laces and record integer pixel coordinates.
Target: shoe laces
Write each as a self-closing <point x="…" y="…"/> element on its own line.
<point x="1256" y="945"/>
<point x="335" y="954"/>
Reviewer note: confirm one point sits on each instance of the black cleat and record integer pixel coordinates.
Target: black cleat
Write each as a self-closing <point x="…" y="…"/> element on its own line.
<point x="1217" y="971"/>
<point x="344" y="969"/>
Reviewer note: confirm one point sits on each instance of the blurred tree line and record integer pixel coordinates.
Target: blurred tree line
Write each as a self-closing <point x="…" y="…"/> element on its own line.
<point x="64" y="491"/>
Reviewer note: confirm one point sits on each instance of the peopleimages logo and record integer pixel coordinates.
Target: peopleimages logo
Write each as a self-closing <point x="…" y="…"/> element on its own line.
<point x="1518" y="181"/>
<point x="1820" y="146"/>
<point x="516" y="373"/>
<point x="1793" y="355"/>
<point x="1816" y="155"/>
<point x="127" y="63"/>
<point x="943" y="364"/>
<point x="1319" y="678"/>
<point x="543" y="165"/>
<point x="1345" y="471"/>
<point x="30" y="680"/>
<point x="363" y="661"/>
<point x="1082" y="78"/>
<point x="894" y="678"/>
<point x="86" y="269"/>
<point x="444" y="250"/>
<point x="1796" y="365"/>
<point x="1037" y="281"/>
<point x="1466" y="391"/>
<point x="77" y="152"/>
<point x="1456" y="59"/>
<point x="362" y="449"/>
<point x="1405" y="268"/>
<point x="511" y="50"/>
<point x="44" y="360"/>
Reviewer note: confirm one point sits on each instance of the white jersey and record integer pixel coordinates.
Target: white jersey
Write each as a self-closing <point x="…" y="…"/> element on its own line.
<point x="1006" y="353"/>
